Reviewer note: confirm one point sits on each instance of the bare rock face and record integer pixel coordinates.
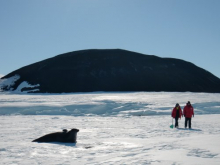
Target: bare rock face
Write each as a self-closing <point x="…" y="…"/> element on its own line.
<point x="112" y="70"/>
<point x="64" y="137"/>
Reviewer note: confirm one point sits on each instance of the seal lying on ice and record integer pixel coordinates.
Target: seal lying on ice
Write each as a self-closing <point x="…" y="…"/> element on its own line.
<point x="64" y="137"/>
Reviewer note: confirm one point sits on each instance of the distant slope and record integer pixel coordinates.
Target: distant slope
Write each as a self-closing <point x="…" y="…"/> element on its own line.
<point x="111" y="70"/>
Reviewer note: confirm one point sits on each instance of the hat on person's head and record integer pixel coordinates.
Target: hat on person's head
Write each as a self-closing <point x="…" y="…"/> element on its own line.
<point x="177" y="104"/>
<point x="188" y="102"/>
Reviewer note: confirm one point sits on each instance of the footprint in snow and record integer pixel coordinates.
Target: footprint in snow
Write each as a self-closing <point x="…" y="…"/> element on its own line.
<point x="201" y="153"/>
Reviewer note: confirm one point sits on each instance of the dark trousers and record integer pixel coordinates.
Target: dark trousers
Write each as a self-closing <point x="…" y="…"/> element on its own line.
<point x="176" y="122"/>
<point x="187" y="120"/>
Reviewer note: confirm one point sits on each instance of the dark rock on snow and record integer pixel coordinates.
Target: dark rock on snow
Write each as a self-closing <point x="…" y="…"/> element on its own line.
<point x="115" y="70"/>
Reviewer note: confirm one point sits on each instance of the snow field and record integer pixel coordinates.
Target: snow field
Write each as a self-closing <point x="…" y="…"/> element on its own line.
<point x="110" y="140"/>
<point x="115" y="128"/>
<point x="107" y="104"/>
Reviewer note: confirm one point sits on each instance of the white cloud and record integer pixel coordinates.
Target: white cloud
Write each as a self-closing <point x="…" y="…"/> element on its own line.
<point x="1" y="75"/>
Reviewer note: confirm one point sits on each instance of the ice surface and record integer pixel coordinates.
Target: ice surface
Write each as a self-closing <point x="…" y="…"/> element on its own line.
<point x="107" y="104"/>
<point x="111" y="140"/>
<point x="115" y="128"/>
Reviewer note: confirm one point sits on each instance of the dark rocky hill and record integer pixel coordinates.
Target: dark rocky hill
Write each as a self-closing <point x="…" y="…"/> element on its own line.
<point x="113" y="70"/>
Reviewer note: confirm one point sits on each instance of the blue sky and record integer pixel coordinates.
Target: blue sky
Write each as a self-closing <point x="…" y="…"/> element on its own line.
<point x="34" y="30"/>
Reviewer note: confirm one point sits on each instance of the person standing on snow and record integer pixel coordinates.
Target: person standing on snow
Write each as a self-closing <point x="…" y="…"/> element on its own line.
<point x="177" y="113"/>
<point x="188" y="112"/>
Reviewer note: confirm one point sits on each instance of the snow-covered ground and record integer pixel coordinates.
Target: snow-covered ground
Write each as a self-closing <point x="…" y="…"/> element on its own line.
<point x="106" y="104"/>
<point x="115" y="128"/>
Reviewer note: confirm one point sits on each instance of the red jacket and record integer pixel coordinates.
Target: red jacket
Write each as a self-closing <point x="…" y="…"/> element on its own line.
<point x="188" y="111"/>
<point x="174" y="112"/>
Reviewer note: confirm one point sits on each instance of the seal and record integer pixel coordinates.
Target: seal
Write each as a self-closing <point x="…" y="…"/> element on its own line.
<point x="63" y="137"/>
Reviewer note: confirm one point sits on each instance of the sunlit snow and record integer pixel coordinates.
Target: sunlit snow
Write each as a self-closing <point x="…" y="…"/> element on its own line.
<point x="115" y="128"/>
<point x="105" y="104"/>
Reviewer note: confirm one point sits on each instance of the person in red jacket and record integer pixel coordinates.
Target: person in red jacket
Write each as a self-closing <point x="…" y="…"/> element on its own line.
<point x="188" y="112"/>
<point x="177" y="113"/>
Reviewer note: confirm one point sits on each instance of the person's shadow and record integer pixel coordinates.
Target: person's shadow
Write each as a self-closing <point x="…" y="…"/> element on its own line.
<point x="187" y="129"/>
